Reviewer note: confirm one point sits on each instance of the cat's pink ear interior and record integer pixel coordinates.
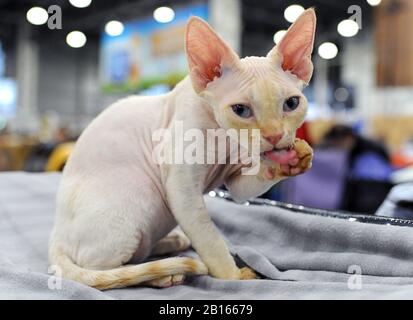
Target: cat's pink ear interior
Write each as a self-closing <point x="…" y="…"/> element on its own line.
<point x="207" y="54"/>
<point x="296" y="47"/>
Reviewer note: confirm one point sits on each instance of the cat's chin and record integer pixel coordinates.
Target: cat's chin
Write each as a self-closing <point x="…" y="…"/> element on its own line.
<point x="280" y="156"/>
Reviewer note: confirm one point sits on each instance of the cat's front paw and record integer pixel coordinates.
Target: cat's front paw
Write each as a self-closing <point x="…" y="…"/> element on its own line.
<point x="248" y="274"/>
<point x="299" y="161"/>
<point x="299" y="164"/>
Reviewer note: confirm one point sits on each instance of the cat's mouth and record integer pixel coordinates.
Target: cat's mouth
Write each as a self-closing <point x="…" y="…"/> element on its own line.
<point x="281" y="156"/>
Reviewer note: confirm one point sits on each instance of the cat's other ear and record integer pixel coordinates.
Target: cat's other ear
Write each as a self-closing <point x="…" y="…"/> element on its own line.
<point x="208" y="55"/>
<point x="296" y="47"/>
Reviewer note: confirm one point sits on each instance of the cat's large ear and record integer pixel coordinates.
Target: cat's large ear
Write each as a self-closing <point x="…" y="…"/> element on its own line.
<point x="208" y="55"/>
<point x="296" y="47"/>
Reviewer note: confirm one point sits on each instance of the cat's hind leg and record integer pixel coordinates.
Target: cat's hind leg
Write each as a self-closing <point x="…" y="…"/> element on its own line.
<point x="175" y="241"/>
<point x="166" y="282"/>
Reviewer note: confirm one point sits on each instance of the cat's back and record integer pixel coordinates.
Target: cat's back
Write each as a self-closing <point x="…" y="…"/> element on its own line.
<point x="120" y="136"/>
<point x="134" y="111"/>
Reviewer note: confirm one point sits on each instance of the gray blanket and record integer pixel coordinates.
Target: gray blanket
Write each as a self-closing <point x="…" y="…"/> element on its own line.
<point x="299" y="256"/>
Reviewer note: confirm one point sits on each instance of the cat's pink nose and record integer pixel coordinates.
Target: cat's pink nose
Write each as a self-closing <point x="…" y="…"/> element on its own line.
<point x="274" y="139"/>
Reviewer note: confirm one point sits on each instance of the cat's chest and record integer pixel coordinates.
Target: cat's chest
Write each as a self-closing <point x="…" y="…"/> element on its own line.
<point x="218" y="174"/>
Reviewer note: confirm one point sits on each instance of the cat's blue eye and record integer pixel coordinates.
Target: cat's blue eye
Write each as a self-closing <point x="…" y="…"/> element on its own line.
<point x="242" y="111"/>
<point x="291" y="104"/>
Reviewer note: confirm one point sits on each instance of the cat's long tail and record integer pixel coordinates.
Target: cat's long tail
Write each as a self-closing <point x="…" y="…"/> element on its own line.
<point x="127" y="275"/>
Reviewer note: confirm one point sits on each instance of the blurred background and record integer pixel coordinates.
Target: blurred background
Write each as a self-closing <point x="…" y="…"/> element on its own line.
<point x="64" y="61"/>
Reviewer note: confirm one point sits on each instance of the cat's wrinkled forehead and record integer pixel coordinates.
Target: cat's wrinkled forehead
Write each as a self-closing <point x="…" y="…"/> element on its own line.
<point x="258" y="80"/>
<point x="258" y="67"/>
<point x="267" y="83"/>
<point x="263" y="68"/>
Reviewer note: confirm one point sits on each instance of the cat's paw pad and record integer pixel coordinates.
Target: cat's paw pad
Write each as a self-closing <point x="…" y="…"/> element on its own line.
<point x="299" y="164"/>
<point x="248" y="274"/>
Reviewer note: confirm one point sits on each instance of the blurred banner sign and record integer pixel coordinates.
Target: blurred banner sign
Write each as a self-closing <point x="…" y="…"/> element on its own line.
<point x="394" y="45"/>
<point x="147" y="53"/>
<point x="8" y="93"/>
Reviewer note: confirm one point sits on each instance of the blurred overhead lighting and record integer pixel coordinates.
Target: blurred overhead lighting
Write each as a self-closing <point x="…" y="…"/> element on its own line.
<point x="327" y="50"/>
<point x="164" y="14"/>
<point x="37" y="16"/>
<point x="348" y="28"/>
<point x="293" y="12"/>
<point x="6" y="96"/>
<point x="341" y="94"/>
<point x="80" y="3"/>
<point x="76" y="39"/>
<point x="374" y="2"/>
<point x="114" y="28"/>
<point x="279" y="35"/>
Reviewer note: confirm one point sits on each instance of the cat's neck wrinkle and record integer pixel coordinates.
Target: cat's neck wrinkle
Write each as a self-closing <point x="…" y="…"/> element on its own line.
<point x="186" y="101"/>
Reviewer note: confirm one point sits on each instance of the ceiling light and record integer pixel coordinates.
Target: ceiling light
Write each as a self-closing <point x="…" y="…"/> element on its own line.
<point x="328" y="50"/>
<point x="374" y="2"/>
<point x="114" y="28"/>
<point x="293" y="12"/>
<point x="80" y="3"/>
<point x="37" y="16"/>
<point x="164" y="14"/>
<point x="279" y="35"/>
<point x="76" y="39"/>
<point x="348" y="28"/>
<point x="341" y="94"/>
<point x="6" y="96"/>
